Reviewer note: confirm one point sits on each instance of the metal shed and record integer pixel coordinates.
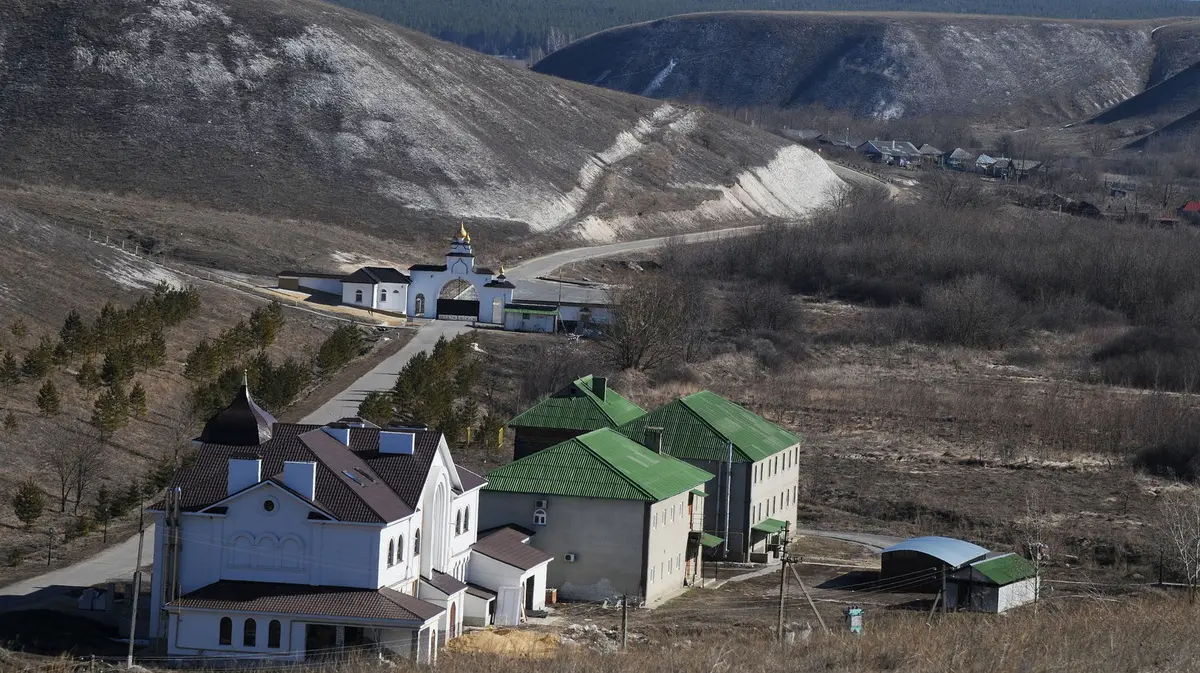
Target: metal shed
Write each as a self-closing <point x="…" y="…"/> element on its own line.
<point x="917" y="565"/>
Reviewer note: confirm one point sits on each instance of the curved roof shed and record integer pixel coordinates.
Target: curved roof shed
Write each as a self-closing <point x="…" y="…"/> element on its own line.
<point x="953" y="552"/>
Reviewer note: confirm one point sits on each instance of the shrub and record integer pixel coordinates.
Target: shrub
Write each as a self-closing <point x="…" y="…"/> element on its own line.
<point x="977" y="311"/>
<point x="48" y="401"/>
<point x="1157" y="358"/>
<point x="28" y="503"/>
<point x="39" y="361"/>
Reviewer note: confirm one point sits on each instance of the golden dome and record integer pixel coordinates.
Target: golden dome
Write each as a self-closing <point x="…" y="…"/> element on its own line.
<point x="462" y="232"/>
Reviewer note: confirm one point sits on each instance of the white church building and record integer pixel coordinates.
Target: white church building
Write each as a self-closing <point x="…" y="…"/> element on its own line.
<point x="291" y="542"/>
<point x="455" y="290"/>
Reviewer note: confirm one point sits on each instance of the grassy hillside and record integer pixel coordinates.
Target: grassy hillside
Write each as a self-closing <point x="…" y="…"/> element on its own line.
<point x="300" y="111"/>
<point x="883" y="65"/>
<point x="526" y="27"/>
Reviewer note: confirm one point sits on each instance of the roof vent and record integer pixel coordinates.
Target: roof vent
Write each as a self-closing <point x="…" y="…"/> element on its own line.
<point x="599" y="386"/>
<point x="653" y="439"/>
<point x="339" y="431"/>
<point x="393" y="442"/>
<point x="301" y="477"/>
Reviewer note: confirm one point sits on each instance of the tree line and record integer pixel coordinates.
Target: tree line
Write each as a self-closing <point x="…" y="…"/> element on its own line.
<point x="530" y="28"/>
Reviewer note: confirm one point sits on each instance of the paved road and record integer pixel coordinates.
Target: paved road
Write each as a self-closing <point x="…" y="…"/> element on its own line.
<point x="114" y="562"/>
<point x="850" y="175"/>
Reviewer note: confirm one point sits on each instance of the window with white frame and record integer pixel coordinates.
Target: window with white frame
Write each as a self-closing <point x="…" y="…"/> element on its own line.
<point x="652" y="575"/>
<point x="539" y="517"/>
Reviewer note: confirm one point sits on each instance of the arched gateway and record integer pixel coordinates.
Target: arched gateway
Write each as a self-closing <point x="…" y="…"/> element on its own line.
<point x="463" y="290"/>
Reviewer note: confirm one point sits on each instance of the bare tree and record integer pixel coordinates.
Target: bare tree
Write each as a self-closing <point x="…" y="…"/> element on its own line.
<point x="62" y="466"/>
<point x="950" y="190"/>
<point x="1179" y="522"/>
<point x="1033" y="527"/>
<point x="87" y="466"/>
<point x="647" y="319"/>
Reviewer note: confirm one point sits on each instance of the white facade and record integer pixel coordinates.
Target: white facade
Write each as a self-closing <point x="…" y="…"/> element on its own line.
<point x="517" y="590"/>
<point x="320" y="284"/>
<point x="774" y="488"/>
<point x="263" y="535"/>
<point x="429" y="281"/>
<point x="383" y="296"/>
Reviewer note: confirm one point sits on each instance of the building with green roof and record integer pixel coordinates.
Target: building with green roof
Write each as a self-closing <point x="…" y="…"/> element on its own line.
<point x="753" y="494"/>
<point x="993" y="584"/>
<point x="584" y="405"/>
<point x="619" y="518"/>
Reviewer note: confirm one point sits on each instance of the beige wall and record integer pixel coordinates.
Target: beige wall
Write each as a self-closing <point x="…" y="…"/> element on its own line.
<point x="774" y="488"/>
<point x="667" y="548"/>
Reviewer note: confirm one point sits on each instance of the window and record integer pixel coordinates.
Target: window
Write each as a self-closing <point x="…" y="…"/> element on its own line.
<point x="539" y="517"/>
<point x="672" y="513"/>
<point x="670" y="565"/>
<point x="358" y="296"/>
<point x="654" y="521"/>
<point x="383" y="296"/>
<point x="226" y="631"/>
<point x="679" y="561"/>
<point x="269" y="505"/>
<point x="399" y="549"/>
<point x="652" y="575"/>
<point x="249" y="633"/>
<point x="273" y="630"/>
<point x="467" y="518"/>
<point x="458" y="523"/>
<point x="391" y="553"/>
<point x="416" y="542"/>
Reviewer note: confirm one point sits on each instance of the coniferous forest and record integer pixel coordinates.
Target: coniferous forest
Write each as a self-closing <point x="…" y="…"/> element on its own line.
<point x="531" y="28"/>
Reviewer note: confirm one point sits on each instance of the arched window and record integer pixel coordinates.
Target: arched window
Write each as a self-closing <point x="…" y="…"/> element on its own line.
<point x="391" y="553"/>
<point x="399" y="549"/>
<point x="419" y="305"/>
<point x="458" y="523"/>
<point x="243" y="548"/>
<point x="358" y="296"/>
<point x="226" y="631"/>
<point x="466" y="518"/>
<point x="383" y="296"/>
<point x="416" y="542"/>
<point x="539" y="517"/>
<point x="249" y="633"/>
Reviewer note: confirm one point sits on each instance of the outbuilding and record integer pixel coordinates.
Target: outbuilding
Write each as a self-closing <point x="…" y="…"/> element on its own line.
<point x="920" y="564"/>
<point x="993" y="584"/>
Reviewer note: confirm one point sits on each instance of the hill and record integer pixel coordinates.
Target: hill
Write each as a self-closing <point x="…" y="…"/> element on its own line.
<point x="1171" y="99"/>
<point x="300" y="111"/>
<point x="527" y="28"/>
<point x="884" y="65"/>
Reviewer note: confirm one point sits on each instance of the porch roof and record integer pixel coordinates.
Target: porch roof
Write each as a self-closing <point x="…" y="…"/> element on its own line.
<point x="769" y="526"/>
<point x="302" y="599"/>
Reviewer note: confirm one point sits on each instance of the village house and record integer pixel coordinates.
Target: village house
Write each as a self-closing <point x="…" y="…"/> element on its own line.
<point x="1189" y="212"/>
<point x="960" y="159"/>
<point x="583" y="405"/>
<point x="618" y="517"/>
<point x="842" y="140"/>
<point x="287" y="542"/>
<point x="896" y="152"/>
<point x="931" y="156"/>
<point x="984" y="164"/>
<point x="754" y="492"/>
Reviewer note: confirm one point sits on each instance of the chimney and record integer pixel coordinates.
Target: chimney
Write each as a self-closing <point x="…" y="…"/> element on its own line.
<point x="402" y="443"/>
<point x="599" y="386"/>
<point x="301" y="477"/>
<point x="339" y="431"/>
<point x="653" y="439"/>
<point x="244" y="471"/>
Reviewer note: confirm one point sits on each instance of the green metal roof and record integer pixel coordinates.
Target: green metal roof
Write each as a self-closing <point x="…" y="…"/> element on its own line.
<point x="1005" y="569"/>
<point x="600" y="464"/>
<point x="770" y="526"/>
<point x="530" y="311"/>
<point x="700" y="426"/>
<point x="696" y="491"/>
<point x="576" y="407"/>
<point x="709" y="541"/>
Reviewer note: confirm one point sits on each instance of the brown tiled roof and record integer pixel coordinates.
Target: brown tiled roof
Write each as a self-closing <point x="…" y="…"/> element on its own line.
<point x="394" y="493"/>
<point x="480" y="592"/>
<point x="508" y="546"/>
<point x="444" y="583"/>
<point x="302" y="599"/>
<point x="469" y="479"/>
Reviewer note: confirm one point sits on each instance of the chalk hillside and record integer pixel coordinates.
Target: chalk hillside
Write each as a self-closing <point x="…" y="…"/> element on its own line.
<point x="886" y="65"/>
<point x="305" y="110"/>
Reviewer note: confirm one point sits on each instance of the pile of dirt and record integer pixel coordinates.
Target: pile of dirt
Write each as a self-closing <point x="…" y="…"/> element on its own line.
<point x="509" y="642"/>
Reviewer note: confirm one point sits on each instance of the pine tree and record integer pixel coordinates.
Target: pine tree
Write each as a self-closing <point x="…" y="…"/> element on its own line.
<point x="28" y="503"/>
<point x="103" y="509"/>
<point x="74" y="333"/>
<point x="137" y="400"/>
<point x="265" y="323"/>
<point x="10" y="370"/>
<point x="10" y="422"/>
<point x="110" y="412"/>
<point x="38" y="361"/>
<point x="47" y="399"/>
<point x="19" y="329"/>
<point x="117" y="367"/>
<point x="88" y="376"/>
<point x="378" y="408"/>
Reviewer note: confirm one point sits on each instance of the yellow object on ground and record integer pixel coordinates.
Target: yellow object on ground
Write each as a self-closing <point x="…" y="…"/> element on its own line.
<point x="512" y="642"/>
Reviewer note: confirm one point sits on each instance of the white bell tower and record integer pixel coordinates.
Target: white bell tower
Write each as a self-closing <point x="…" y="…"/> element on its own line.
<point x="460" y="260"/>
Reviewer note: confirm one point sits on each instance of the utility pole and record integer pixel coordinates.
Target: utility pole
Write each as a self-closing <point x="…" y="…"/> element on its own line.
<point x="811" y="604"/>
<point x="624" y="621"/>
<point x="944" y="608"/>
<point x="137" y="585"/>
<point x="50" y="544"/>
<point x="783" y="566"/>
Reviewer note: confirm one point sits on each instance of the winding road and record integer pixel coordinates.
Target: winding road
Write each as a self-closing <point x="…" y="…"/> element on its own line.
<point x="118" y="560"/>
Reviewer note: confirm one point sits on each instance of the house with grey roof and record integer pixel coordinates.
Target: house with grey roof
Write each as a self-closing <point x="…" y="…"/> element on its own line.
<point x="960" y="159"/>
<point x="619" y="518"/>
<point x="287" y="542"/>
<point x="753" y="495"/>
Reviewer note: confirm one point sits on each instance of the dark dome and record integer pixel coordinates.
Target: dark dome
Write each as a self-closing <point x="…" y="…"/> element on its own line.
<point x="242" y="423"/>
